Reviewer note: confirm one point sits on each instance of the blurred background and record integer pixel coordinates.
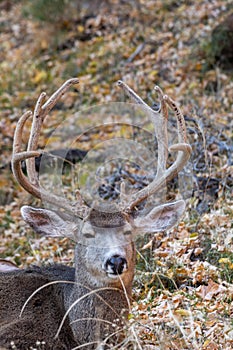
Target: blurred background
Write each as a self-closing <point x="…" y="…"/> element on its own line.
<point x="185" y="47"/>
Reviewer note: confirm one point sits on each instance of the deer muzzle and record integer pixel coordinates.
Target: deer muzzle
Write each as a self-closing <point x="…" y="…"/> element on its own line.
<point x="116" y="265"/>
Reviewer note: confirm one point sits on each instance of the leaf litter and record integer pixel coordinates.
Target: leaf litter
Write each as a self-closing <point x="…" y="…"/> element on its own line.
<point x="184" y="281"/>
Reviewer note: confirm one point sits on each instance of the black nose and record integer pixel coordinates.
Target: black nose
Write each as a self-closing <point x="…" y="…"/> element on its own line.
<point x="116" y="265"/>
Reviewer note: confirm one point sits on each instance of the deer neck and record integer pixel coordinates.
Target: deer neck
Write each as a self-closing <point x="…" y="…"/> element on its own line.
<point x="98" y="303"/>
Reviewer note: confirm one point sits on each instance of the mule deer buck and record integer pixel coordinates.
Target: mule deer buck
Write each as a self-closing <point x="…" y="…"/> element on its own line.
<point x="85" y="306"/>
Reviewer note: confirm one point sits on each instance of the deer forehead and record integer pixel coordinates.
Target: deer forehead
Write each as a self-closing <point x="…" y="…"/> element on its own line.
<point x="106" y="219"/>
<point x="90" y="230"/>
<point x="106" y="237"/>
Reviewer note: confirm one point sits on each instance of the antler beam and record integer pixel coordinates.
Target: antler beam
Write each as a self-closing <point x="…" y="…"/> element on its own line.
<point x="183" y="148"/>
<point x="31" y="183"/>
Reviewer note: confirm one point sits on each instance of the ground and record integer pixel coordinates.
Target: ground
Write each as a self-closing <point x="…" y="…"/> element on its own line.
<point x="184" y="280"/>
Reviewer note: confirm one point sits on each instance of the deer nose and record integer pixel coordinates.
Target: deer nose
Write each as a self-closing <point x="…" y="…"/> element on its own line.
<point x="116" y="265"/>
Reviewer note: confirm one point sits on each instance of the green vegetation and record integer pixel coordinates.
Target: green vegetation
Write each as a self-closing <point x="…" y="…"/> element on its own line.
<point x="184" y="280"/>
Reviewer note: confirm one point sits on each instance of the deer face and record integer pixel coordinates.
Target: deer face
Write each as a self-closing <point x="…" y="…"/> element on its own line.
<point x="108" y="256"/>
<point x="105" y="254"/>
<point x="105" y="250"/>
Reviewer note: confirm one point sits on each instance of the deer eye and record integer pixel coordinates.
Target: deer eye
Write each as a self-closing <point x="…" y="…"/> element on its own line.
<point x="89" y="235"/>
<point x="126" y="233"/>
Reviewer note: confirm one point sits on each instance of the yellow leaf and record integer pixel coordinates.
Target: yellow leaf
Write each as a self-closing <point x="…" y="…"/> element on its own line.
<point x="183" y="312"/>
<point x="153" y="74"/>
<point x="39" y="76"/>
<point x="80" y="28"/>
<point x="224" y="261"/>
<point x="4" y="183"/>
<point x="96" y="89"/>
<point x="193" y="85"/>
<point x="193" y="236"/>
<point x="160" y="263"/>
<point x="130" y="316"/>
<point x="198" y="66"/>
<point x="206" y="342"/>
<point x="44" y="44"/>
<point x="52" y="139"/>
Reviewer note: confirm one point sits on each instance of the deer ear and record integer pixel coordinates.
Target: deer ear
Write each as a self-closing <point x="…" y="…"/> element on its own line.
<point x="6" y="266"/>
<point x="48" y="223"/>
<point x="160" y="218"/>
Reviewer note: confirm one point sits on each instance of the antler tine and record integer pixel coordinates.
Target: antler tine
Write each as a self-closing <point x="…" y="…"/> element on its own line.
<point x="162" y="134"/>
<point x="40" y="112"/>
<point x="18" y="156"/>
<point x="132" y="94"/>
<point x="183" y="148"/>
<point x="34" y="138"/>
<point x="182" y="137"/>
<point x="58" y="94"/>
<point x="31" y="184"/>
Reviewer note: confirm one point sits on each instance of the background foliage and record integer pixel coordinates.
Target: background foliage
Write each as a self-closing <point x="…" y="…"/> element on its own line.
<point x="183" y="288"/>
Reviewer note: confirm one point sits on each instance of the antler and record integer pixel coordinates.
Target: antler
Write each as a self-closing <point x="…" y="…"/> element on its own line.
<point x="183" y="148"/>
<point x="31" y="183"/>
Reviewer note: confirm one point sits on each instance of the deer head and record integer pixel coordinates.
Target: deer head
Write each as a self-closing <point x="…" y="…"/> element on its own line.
<point x="88" y="227"/>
